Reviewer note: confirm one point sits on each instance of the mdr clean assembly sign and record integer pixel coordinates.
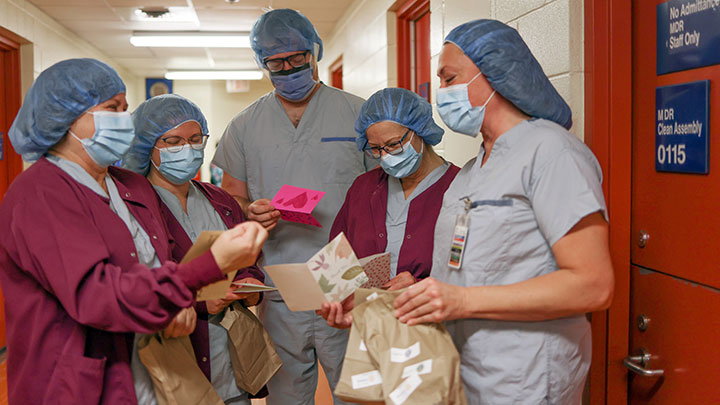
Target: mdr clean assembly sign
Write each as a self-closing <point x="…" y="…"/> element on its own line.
<point x="688" y="34"/>
<point x="681" y="137"/>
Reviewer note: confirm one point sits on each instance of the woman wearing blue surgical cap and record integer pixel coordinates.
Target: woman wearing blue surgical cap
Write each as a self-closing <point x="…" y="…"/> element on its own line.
<point x="521" y="243"/>
<point x="86" y="263"/>
<point x="171" y="133"/>
<point x="393" y="208"/>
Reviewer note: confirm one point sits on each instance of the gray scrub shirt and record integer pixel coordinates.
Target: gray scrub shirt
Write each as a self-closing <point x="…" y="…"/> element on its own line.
<point x="398" y="208"/>
<point x="262" y="148"/>
<point x="538" y="182"/>
<point x="205" y="218"/>
<point x="146" y="255"/>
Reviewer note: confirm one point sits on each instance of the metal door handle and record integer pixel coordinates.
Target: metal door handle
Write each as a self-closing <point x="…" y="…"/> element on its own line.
<point x="631" y="362"/>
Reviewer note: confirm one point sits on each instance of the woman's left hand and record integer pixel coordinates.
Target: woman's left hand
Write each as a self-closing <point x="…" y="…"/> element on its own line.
<point x="402" y="280"/>
<point x="430" y="301"/>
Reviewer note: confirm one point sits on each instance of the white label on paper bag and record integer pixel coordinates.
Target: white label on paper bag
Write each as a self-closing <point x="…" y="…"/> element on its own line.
<point x="371" y="296"/>
<point x="403" y="391"/>
<point x="362" y="347"/>
<point x="424" y="367"/>
<point x="403" y="355"/>
<point x="366" y="379"/>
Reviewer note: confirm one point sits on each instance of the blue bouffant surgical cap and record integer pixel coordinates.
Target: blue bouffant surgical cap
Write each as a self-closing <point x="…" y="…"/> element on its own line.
<point x="153" y="118"/>
<point x="284" y="30"/>
<point x="505" y="60"/>
<point x="401" y="106"/>
<point x="61" y="93"/>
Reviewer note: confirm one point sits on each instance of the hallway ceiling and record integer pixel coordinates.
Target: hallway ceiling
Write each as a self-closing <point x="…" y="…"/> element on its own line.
<point x="108" y="25"/>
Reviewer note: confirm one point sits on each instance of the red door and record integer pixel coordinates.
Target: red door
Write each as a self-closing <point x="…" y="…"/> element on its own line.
<point x="10" y="162"/>
<point x="675" y="278"/>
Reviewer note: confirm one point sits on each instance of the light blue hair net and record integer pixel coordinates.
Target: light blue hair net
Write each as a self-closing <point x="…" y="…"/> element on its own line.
<point x="284" y="30"/>
<point x="61" y="93"/>
<point x="153" y="118"/>
<point x="401" y="106"/>
<point x="505" y="60"/>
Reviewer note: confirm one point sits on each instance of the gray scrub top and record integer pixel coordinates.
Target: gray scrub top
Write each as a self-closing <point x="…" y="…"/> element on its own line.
<point x="538" y="182"/>
<point x="398" y="208"/>
<point x="205" y="218"/>
<point x="262" y="148"/>
<point x="146" y="255"/>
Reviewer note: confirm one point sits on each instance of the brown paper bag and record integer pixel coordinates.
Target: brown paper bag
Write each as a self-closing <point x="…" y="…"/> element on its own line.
<point x="252" y="351"/>
<point x="360" y="380"/>
<point x="176" y="377"/>
<point x="419" y="364"/>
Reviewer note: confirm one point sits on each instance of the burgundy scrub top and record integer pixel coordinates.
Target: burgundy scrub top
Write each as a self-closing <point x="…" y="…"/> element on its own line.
<point x="75" y="294"/>
<point x="362" y="219"/>
<point x="231" y="213"/>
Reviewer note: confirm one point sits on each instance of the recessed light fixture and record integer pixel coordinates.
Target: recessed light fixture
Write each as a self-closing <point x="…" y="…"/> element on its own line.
<point x="175" y="39"/>
<point x="214" y="75"/>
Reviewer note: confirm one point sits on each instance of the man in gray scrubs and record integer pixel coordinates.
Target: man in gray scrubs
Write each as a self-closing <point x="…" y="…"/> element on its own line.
<point x="300" y="134"/>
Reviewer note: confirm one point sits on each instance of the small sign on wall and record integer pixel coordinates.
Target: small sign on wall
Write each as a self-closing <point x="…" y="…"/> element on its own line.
<point x="157" y="86"/>
<point x="688" y="34"/>
<point x="681" y="127"/>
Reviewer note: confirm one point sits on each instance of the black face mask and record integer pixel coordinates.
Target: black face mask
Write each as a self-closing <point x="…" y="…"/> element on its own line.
<point x="290" y="71"/>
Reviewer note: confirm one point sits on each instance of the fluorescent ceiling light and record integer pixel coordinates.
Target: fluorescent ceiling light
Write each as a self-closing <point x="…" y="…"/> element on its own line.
<point x="214" y="75"/>
<point x="162" y="39"/>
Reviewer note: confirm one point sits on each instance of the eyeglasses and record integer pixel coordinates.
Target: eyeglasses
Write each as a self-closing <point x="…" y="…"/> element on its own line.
<point x="296" y="61"/>
<point x="394" y="148"/>
<point x="176" y="143"/>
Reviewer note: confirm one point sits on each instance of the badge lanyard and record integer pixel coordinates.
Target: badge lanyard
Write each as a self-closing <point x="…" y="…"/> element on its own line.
<point x="457" y="247"/>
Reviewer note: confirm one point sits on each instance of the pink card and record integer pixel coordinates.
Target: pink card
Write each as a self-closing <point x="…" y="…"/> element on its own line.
<point x="377" y="268"/>
<point x="296" y="203"/>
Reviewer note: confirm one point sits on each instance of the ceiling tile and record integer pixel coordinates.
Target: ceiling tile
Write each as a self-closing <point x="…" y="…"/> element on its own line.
<point x="80" y="13"/>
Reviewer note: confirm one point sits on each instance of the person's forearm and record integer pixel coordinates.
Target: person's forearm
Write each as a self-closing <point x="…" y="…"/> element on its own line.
<point x="244" y="203"/>
<point x="558" y="294"/>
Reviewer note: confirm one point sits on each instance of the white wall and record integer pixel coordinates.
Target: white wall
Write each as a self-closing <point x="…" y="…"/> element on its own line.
<point x="553" y="29"/>
<point x="218" y="106"/>
<point x="365" y="37"/>
<point x="46" y="42"/>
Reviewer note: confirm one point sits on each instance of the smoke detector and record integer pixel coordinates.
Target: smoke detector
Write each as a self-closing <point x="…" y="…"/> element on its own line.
<point x="154" y="12"/>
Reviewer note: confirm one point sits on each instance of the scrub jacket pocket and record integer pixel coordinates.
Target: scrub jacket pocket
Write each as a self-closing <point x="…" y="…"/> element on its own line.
<point x="76" y="380"/>
<point x="489" y="227"/>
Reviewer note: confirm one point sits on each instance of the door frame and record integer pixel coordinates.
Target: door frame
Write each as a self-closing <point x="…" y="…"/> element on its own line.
<point x="11" y="94"/>
<point x="608" y="133"/>
<point x="406" y="14"/>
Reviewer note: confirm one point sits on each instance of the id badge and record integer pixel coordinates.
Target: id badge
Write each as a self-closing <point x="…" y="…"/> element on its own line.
<point x="460" y="233"/>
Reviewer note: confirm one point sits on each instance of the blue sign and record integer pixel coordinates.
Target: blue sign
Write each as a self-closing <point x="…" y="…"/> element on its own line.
<point x="688" y="34"/>
<point x="681" y="127"/>
<point x="156" y="87"/>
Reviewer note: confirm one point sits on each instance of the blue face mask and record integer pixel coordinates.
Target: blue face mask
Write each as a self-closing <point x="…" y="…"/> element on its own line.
<point x="114" y="132"/>
<point x="453" y="104"/>
<point x="179" y="167"/>
<point x="295" y="85"/>
<point x="404" y="164"/>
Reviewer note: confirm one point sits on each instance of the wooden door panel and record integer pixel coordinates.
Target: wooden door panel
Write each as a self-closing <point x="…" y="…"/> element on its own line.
<point x="678" y="211"/>
<point x="682" y="336"/>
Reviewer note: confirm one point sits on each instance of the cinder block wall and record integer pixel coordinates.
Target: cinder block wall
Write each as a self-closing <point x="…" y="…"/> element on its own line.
<point x="553" y="29"/>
